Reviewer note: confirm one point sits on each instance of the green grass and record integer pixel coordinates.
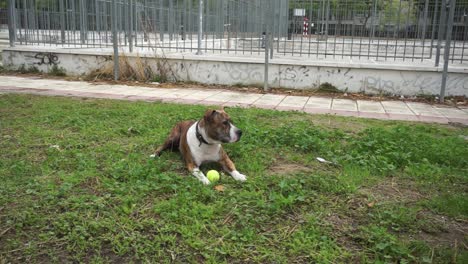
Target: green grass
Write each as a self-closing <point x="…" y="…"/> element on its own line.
<point x="78" y="185"/>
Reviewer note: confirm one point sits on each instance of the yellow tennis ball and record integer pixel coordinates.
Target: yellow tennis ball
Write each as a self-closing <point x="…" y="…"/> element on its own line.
<point x="213" y="175"/>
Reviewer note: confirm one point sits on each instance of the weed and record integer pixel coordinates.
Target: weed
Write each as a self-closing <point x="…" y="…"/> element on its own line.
<point x="452" y="204"/>
<point x="57" y="71"/>
<point x="136" y="68"/>
<point x="384" y="246"/>
<point x="328" y="88"/>
<point x="31" y="69"/>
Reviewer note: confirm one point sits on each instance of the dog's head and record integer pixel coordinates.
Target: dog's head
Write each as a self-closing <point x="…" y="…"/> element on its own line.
<point x="219" y="128"/>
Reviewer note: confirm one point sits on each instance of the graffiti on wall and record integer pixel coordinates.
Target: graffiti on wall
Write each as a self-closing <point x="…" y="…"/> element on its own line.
<point x="46" y="58"/>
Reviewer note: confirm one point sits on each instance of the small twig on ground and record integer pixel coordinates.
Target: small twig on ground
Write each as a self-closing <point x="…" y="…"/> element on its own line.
<point x="229" y="216"/>
<point x="37" y="244"/>
<point x="454" y="258"/>
<point x="4" y="231"/>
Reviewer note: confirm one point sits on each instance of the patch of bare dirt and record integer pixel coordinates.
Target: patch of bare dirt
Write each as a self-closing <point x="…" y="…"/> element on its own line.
<point x="288" y="168"/>
<point x="344" y="227"/>
<point x="391" y="190"/>
<point x="434" y="229"/>
<point x="442" y="230"/>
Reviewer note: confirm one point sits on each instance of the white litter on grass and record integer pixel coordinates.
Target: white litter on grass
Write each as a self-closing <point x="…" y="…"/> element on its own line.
<point x="55" y="147"/>
<point x="322" y="160"/>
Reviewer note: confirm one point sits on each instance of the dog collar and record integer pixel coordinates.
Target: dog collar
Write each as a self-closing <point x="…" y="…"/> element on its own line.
<point x="199" y="136"/>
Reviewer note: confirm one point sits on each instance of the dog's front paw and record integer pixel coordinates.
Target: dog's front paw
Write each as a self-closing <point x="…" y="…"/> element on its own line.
<point x="239" y="176"/>
<point x="205" y="181"/>
<point x="153" y="156"/>
<point x="200" y="176"/>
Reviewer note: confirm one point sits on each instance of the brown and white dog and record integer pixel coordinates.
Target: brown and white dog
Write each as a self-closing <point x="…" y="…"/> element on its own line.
<point x="200" y="142"/>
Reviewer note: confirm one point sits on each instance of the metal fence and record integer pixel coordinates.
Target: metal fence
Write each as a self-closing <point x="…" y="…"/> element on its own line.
<point x="429" y="31"/>
<point x="358" y="29"/>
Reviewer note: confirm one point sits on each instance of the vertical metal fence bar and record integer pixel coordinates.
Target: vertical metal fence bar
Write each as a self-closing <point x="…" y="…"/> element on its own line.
<point x="434" y="23"/>
<point x="161" y="22"/>
<point x="205" y="26"/>
<point x="442" y="27"/>
<point x="334" y="33"/>
<point x="406" y="33"/>
<point x="113" y="17"/>
<point x="426" y="10"/>
<point x="447" y="49"/>
<point x="415" y="35"/>
<point x="25" y="22"/>
<point x="352" y="34"/>
<point x="130" y="29"/>
<point x="343" y="13"/>
<point x="200" y="26"/>
<point x="454" y="36"/>
<point x="267" y="40"/>
<point x="170" y="20"/>
<point x="11" y="22"/>
<point x="62" y="21"/>
<point x="465" y="37"/>
<point x="98" y="22"/>
<point x="190" y="28"/>
<point x="82" y="32"/>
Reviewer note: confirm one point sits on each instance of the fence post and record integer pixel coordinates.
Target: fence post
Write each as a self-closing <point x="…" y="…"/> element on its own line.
<point x="267" y="49"/>
<point x="200" y="26"/>
<point x="442" y="27"/>
<point x="11" y="22"/>
<point x="130" y="40"/>
<point x="82" y="21"/>
<point x="447" y="49"/>
<point x="62" y="21"/>
<point x="114" y="39"/>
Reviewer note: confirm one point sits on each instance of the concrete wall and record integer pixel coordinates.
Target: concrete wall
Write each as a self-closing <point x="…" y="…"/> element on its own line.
<point x="371" y="79"/>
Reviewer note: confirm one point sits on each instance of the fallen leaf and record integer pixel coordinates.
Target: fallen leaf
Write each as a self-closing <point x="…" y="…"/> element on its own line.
<point x="371" y="204"/>
<point x="219" y="188"/>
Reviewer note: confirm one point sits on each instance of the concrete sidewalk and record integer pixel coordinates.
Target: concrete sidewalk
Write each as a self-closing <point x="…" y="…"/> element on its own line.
<point x="387" y="110"/>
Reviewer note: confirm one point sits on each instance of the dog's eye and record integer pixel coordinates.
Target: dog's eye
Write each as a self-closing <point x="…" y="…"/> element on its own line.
<point x="226" y="122"/>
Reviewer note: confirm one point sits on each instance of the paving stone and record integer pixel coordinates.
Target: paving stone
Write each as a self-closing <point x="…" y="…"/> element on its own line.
<point x="318" y="102"/>
<point x="202" y="94"/>
<point x="269" y="100"/>
<point x="344" y="105"/>
<point x="452" y="112"/>
<point x="177" y="93"/>
<point x="223" y="97"/>
<point x="293" y="102"/>
<point x="403" y="117"/>
<point x="245" y="98"/>
<point x="396" y="107"/>
<point x="370" y="107"/>
<point x="423" y="109"/>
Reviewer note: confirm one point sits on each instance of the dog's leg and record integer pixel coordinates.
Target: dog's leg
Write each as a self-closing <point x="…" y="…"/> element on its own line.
<point x="198" y="173"/>
<point x="230" y="168"/>
<point x="172" y="141"/>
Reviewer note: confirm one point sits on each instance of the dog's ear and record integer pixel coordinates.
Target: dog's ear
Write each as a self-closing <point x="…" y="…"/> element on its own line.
<point x="210" y="113"/>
